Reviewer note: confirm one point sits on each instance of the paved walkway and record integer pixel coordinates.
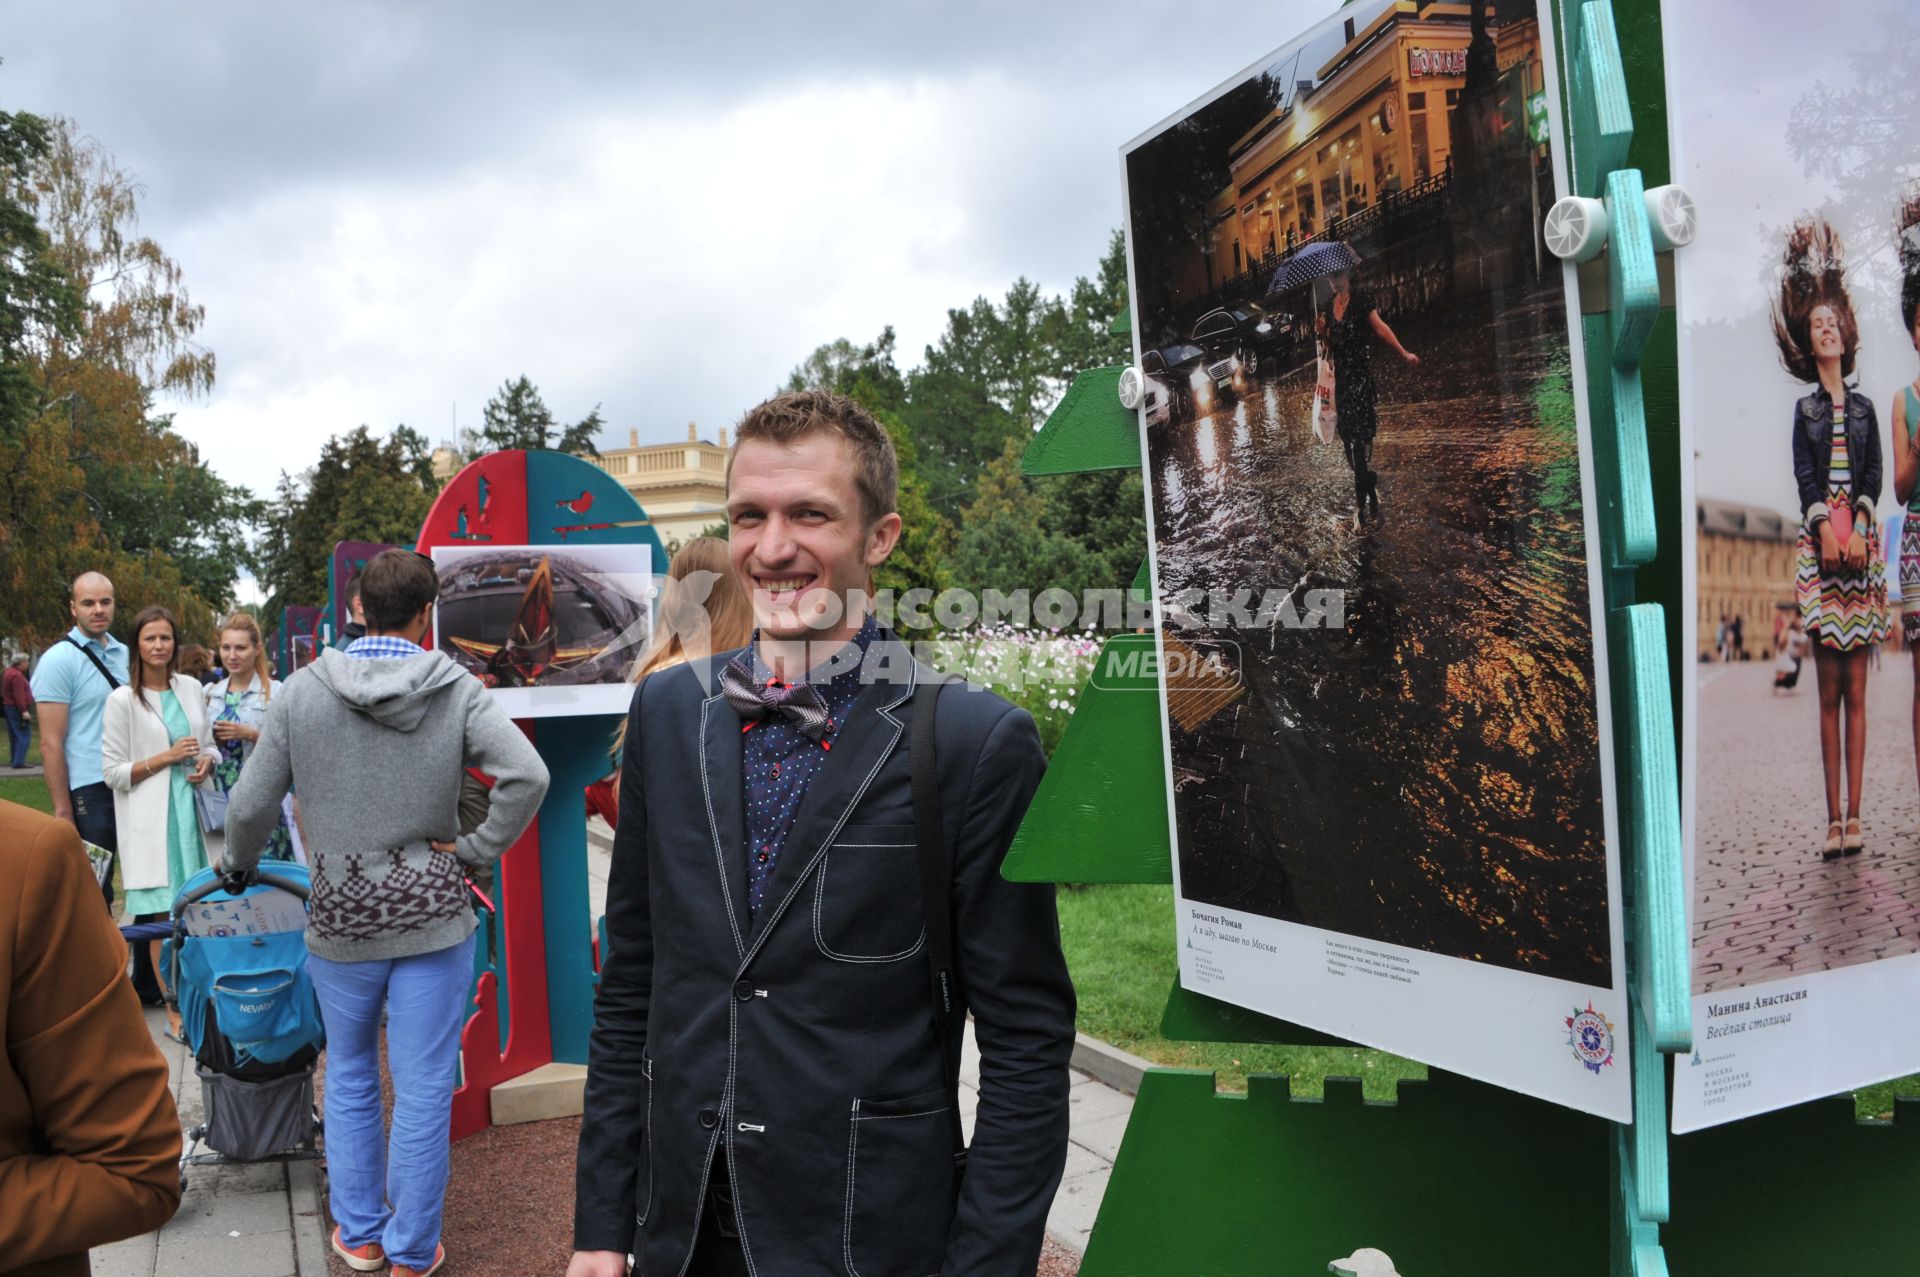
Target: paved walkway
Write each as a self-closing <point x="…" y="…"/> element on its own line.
<point x="261" y="1220"/>
<point x="265" y="1220"/>
<point x="1098" y="1115"/>
<point x="1765" y="905"/>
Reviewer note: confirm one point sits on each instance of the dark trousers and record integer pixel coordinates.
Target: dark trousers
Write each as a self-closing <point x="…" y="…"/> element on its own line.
<point x="19" y="736"/>
<point x="93" y="817"/>
<point x="1360" y="458"/>
<point x="716" y="1246"/>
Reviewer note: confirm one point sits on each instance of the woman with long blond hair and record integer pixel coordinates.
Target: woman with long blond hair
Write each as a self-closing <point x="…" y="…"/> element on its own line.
<point x="702" y="610"/>
<point x="237" y="706"/>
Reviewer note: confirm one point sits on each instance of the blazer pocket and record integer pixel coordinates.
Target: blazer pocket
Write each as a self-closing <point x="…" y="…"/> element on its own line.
<point x="899" y="1186"/>
<point x="866" y="896"/>
<point x="643" y="1204"/>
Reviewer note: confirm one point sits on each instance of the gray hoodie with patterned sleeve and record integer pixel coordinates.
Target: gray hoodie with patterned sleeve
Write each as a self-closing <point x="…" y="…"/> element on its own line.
<point x="376" y="749"/>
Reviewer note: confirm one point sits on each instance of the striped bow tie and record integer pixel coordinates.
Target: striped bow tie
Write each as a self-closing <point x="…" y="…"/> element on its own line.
<point x="799" y="703"/>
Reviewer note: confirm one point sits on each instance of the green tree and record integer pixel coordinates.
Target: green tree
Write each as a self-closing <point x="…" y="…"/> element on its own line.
<point x="361" y="489"/>
<point x="517" y="417"/>
<point x="179" y="508"/>
<point x="999" y="369"/>
<point x="89" y="478"/>
<point x="961" y="422"/>
<point x="1102" y="516"/>
<point x="38" y="301"/>
<point x="140" y="319"/>
<point x="868" y="375"/>
<point x="1004" y="543"/>
<point x="418" y="450"/>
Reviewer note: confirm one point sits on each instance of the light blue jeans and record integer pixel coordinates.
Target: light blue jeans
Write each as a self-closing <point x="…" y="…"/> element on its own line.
<point x="392" y="1193"/>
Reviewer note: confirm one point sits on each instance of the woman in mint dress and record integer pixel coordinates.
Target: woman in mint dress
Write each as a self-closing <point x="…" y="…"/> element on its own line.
<point x="156" y="745"/>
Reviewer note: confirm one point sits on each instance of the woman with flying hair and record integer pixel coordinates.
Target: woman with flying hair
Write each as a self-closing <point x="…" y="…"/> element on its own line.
<point x="1840" y="578"/>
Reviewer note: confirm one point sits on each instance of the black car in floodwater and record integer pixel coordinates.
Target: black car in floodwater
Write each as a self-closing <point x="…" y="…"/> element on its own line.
<point x="1259" y="338"/>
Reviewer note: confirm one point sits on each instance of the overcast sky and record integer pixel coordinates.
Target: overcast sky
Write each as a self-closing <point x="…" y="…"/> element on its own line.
<point x="387" y="210"/>
<point x="1738" y="400"/>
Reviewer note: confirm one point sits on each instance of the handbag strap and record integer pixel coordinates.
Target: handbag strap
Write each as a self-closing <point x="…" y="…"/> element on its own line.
<point x="936" y="906"/>
<point x="112" y="682"/>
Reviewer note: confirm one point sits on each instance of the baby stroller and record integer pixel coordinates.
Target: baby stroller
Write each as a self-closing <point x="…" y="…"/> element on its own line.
<point x="237" y="956"/>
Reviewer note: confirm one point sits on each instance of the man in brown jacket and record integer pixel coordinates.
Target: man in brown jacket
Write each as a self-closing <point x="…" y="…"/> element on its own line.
<point x="89" y="1139"/>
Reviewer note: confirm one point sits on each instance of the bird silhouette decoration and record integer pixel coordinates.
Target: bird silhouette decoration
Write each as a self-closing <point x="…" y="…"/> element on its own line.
<point x="579" y="505"/>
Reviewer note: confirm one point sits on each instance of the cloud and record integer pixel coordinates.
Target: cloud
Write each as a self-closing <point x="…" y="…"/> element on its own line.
<point x="388" y="210"/>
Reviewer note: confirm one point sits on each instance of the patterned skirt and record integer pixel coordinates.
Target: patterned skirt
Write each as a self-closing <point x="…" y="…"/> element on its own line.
<point x="1910" y="577"/>
<point x="1845" y="611"/>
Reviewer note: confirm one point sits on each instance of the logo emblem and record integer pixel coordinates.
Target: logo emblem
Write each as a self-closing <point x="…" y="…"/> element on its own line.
<point x="1590" y="1035"/>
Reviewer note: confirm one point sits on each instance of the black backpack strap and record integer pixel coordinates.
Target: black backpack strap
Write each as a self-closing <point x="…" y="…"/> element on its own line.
<point x="98" y="664"/>
<point x="936" y="905"/>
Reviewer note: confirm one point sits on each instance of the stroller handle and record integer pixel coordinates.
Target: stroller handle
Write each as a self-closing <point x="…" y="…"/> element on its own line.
<point x="235" y="882"/>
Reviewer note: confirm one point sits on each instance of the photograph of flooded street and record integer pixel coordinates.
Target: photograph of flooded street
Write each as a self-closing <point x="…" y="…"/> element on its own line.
<point x="1359" y="378"/>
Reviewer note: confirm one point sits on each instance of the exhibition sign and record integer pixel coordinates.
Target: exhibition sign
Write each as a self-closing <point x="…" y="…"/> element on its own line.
<point x="1799" y="405"/>
<point x="552" y="631"/>
<point x="1392" y="808"/>
<point x="349" y="560"/>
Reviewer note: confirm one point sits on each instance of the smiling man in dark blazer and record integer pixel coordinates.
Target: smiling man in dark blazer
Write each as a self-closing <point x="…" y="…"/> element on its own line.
<point x="769" y="1091"/>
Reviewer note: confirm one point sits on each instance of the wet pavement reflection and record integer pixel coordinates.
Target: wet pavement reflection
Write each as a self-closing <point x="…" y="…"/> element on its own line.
<point x="1428" y="775"/>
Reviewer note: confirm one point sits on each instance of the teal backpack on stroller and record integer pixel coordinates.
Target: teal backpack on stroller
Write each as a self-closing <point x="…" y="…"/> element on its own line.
<point x="238" y="958"/>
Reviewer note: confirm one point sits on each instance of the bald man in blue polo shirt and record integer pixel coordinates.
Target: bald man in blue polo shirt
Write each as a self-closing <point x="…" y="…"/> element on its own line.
<point x="71" y="685"/>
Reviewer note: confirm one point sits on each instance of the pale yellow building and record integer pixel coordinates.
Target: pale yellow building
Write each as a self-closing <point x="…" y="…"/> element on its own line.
<point x="1745" y="569"/>
<point x="681" y="486"/>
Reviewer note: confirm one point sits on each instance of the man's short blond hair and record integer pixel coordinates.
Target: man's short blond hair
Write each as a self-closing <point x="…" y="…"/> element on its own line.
<point x="799" y="414"/>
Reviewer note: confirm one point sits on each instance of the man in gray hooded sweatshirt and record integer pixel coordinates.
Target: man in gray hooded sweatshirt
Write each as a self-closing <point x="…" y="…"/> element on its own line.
<point x="375" y="739"/>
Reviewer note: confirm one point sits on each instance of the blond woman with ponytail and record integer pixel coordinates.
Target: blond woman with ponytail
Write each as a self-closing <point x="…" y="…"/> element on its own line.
<point x="702" y="611"/>
<point x="237" y="705"/>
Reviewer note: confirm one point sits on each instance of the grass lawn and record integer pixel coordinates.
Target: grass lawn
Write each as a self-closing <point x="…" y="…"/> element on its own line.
<point x="28" y="791"/>
<point x="1120" y="948"/>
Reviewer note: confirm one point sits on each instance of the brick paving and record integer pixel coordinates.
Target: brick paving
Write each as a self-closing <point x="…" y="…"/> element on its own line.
<point x="1765" y="905"/>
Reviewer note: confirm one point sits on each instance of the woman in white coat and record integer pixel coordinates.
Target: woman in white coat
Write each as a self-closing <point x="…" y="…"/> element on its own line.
<point x="155" y="745"/>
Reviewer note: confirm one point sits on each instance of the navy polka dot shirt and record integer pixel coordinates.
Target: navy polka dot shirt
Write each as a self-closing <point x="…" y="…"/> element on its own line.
<point x="779" y="763"/>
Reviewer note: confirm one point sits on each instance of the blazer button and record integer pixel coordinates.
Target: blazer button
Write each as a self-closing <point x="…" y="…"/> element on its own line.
<point x="743" y="991"/>
<point x="709" y="1118"/>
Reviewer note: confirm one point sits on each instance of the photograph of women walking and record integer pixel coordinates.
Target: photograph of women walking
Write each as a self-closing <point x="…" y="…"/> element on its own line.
<point x="1799" y="403"/>
<point x="1362" y="375"/>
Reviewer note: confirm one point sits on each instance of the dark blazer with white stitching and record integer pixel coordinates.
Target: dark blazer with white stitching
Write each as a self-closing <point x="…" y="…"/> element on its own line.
<point x="799" y="1043"/>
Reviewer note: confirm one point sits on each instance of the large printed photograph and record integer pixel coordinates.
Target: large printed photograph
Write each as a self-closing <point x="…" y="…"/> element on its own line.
<point x="1799" y="310"/>
<point x="552" y="630"/>
<point x="1358" y="375"/>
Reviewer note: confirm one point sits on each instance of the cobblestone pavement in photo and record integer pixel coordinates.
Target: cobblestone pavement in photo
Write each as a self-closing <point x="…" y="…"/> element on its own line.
<point x="1765" y="905"/>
